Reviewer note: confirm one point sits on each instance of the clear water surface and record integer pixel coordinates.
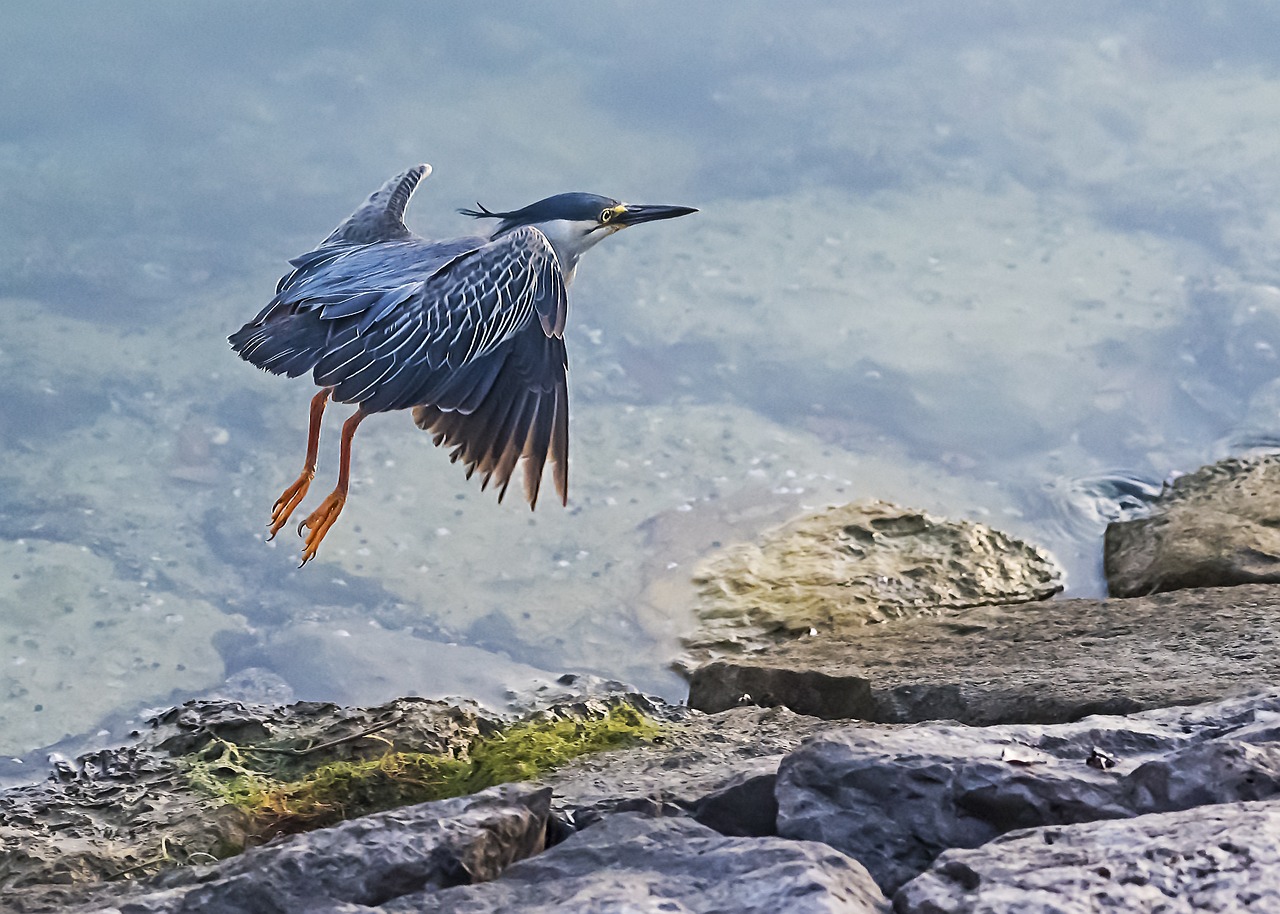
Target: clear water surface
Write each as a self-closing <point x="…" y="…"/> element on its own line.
<point x="1005" y="261"/>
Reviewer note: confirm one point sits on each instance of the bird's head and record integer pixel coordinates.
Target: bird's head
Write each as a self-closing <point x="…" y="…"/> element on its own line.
<point x="574" y="223"/>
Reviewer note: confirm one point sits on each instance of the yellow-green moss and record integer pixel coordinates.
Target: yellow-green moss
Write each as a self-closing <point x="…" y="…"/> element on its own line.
<point x="525" y="750"/>
<point x="331" y="792"/>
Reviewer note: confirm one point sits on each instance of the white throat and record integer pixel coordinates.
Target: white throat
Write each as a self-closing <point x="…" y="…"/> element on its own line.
<point x="572" y="239"/>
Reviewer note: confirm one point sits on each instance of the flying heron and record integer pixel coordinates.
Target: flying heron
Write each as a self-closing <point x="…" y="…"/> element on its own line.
<point x="468" y="333"/>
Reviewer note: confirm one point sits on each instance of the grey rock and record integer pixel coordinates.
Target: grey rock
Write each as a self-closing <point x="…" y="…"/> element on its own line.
<point x="567" y="688"/>
<point x="634" y="863"/>
<point x="1045" y="662"/>
<point x="133" y="809"/>
<point x="896" y="799"/>
<point x="1216" y="527"/>
<point x="128" y="813"/>
<point x="366" y="861"/>
<point x="1211" y="859"/>
<point x="744" y="807"/>
<point x="719" y="768"/>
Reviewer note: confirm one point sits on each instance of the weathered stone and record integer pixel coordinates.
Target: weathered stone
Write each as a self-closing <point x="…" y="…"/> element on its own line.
<point x="720" y="769"/>
<point x="1042" y="662"/>
<point x="1215" y="527"/>
<point x="1222" y="858"/>
<point x="630" y="862"/>
<point x="895" y="799"/>
<point x="162" y="802"/>
<point x="368" y="860"/>
<point x="131" y="810"/>
<point x="744" y="807"/>
<point x="836" y="570"/>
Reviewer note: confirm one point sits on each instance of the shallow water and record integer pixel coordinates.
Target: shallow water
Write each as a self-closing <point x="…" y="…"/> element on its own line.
<point x="999" y="262"/>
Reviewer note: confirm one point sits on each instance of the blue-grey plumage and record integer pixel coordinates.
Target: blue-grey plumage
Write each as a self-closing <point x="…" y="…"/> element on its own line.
<point x="469" y="333"/>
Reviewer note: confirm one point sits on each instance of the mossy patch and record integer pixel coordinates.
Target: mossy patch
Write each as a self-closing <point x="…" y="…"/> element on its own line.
<point x="264" y="782"/>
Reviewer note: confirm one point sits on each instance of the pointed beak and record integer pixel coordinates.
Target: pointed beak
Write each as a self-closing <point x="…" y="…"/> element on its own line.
<point x="635" y="213"/>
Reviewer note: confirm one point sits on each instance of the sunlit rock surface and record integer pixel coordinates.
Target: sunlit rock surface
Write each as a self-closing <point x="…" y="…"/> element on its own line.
<point x="1215" y="527"/>
<point x="848" y="803"/>
<point x="1042" y="662"/>
<point x="833" y="572"/>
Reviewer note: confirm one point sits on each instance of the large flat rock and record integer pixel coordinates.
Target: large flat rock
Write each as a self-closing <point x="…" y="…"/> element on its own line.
<point x="894" y="799"/>
<point x="1201" y="861"/>
<point x="1043" y="662"/>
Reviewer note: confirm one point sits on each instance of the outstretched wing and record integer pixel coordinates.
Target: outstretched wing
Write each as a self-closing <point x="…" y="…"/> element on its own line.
<point x="469" y="332"/>
<point x="430" y="340"/>
<point x="478" y="350"/>
<point x="381" y="217"/>
<point x="525" y="414"/>
<point x="364" y="268"/>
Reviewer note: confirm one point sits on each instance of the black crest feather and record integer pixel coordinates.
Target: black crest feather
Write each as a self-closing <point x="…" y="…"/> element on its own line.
<point x="481" y="212"/>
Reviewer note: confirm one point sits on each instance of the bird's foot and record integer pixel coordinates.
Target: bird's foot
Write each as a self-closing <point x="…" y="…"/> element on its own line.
<point x="288" y="500"/>
<point x="318" y="523"/>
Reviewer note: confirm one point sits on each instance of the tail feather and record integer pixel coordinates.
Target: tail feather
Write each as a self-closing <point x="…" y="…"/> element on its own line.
<point x="289" y="344"/>
<point x="524" y="414"/>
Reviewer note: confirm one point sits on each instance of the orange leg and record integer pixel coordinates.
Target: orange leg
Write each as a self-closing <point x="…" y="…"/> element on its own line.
<point x="321" y="519"/>
<point x="292" y="496"/>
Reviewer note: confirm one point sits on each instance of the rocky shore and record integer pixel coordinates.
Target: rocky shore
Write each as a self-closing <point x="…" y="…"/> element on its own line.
<point x="993" y="751"/>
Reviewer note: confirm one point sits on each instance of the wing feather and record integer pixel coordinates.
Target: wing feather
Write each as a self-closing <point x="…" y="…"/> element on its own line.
<point x="535" y="447"/>
<point x="524" y="415"/>
<point x="560" y="443"/>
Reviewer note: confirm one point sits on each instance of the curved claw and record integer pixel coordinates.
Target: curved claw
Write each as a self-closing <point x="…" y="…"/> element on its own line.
<point x="318" y="522"/>
<point x="288" y="501"/>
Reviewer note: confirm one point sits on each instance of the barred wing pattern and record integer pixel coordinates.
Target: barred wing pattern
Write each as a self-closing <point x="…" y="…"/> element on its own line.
<point x="475" y="343"/>
<point x="526" y="415"/>
<point x="412" y="344"/>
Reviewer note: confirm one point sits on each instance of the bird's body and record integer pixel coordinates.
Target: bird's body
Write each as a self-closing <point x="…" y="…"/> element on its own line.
<point x="469" y="333"/>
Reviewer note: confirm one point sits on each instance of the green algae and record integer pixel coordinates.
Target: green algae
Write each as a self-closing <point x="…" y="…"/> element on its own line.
<point x="266" y="785"/>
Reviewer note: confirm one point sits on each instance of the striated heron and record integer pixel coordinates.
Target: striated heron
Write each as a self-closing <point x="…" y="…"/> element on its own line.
<point x="469" y="333"/>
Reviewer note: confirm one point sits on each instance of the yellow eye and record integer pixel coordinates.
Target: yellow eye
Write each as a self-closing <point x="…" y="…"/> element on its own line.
<point x="607" y="215"/>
